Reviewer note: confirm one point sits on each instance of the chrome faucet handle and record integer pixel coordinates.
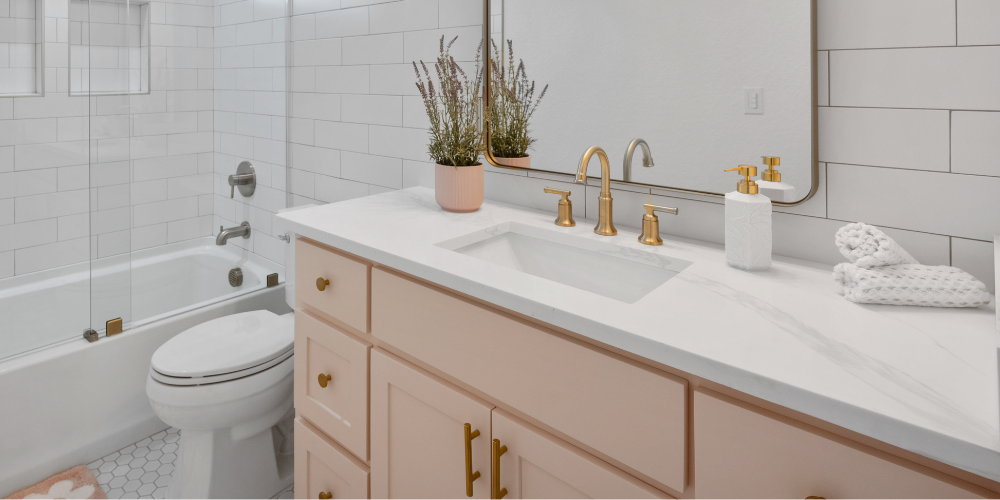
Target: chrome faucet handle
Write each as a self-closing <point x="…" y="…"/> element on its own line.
<point x="565" y="217"/>
<point x="651" y="224"/>
<point x="245" y="178"/>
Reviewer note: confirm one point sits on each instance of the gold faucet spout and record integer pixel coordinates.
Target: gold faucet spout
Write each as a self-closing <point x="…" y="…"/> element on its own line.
<point x="605" y="224"/>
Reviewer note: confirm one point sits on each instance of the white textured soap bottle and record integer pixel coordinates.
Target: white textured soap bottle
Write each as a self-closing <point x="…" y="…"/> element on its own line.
<point x="770" y="184"/>
<point x="748" y="224"/>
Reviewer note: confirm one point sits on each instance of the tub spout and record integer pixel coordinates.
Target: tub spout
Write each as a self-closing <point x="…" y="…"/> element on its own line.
<point x="232" y="232"/>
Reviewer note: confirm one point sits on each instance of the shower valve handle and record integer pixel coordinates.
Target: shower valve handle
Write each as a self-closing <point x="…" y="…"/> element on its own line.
<point x="245" y="178"/>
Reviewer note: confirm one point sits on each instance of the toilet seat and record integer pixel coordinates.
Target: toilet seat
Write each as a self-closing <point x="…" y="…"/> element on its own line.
<point x="224" y="349"/>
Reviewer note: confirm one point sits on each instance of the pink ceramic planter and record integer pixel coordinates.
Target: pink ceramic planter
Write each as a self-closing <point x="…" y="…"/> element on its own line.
<point x="523" y="162"/>
<point x="458" y="189"/>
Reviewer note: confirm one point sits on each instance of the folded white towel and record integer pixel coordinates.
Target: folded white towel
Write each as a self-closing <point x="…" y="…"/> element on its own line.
<point x="910" y="284"/>
<point x="867" y="247"/>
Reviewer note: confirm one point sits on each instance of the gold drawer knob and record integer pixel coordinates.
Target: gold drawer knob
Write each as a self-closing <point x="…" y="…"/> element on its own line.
<point x="324" y="379"/>
<point x="321" y="284"/>
<point x="325" y="495"/>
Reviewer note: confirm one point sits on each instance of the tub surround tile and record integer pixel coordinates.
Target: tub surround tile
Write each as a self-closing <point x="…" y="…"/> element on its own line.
<point x="825" y="356"/>
<point x="6" y="264"/>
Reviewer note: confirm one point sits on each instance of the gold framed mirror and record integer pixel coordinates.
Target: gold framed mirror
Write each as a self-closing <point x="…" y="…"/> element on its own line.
<point x="696" y="85"/>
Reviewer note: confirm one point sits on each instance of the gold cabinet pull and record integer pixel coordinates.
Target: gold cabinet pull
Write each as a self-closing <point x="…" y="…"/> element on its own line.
<point x="321" y="284"/>
<point x="498" y="451"/>
<point x="470" y="476"/>
<point x="325" y="495"/>
<point x="324" y="379"/>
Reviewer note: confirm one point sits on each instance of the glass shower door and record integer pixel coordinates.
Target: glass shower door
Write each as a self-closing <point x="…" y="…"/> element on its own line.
<point x="105" y="59"/>
<point x="44" y="187"/>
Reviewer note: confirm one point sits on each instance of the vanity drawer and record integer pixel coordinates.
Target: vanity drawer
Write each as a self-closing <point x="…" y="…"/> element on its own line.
<point x="341" y="408"/>
<point x="741" y="451"/>
<point x="629" y="413"/>
<point x="321" y="466"/>
<point x="345" y="298"/>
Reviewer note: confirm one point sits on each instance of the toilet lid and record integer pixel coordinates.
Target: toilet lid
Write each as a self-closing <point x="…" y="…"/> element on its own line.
<point x="240" y="344"/>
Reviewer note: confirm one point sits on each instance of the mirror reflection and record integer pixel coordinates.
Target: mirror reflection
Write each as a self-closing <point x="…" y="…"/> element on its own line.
<point x="675" y="91"/>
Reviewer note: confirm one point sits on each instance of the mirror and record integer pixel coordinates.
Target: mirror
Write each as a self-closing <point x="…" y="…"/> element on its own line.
<point x="708" y="84"/>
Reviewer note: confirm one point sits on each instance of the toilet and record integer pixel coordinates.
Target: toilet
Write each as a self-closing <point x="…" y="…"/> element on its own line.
<point x="227" y="385"/>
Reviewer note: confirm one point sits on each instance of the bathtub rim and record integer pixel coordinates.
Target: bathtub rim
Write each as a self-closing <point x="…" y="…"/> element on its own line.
<point x="246" y="260"/>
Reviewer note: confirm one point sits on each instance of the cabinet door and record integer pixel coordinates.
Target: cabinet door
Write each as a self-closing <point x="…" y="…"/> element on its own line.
<point x="340" y="405"/>
<point x="539" y="465"/>
<point x="324" y="468"/>
<point x="746" y="452"/>
<point x="418" y="434"/>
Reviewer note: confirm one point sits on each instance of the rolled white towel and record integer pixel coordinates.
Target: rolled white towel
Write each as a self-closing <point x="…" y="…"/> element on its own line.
<point x="867" y="247"/>
<point x="911" y="284"/>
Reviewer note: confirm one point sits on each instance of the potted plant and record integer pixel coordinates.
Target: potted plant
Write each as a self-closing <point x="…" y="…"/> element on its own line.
<point x="454" y="108"/>
<point x="512" y="102"/>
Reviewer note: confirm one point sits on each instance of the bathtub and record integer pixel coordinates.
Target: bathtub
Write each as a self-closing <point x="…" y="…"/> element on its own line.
<point x="65" y="401"/>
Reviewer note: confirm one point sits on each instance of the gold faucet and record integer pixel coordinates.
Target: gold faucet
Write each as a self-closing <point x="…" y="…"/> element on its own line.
<point x="605" y="224"/>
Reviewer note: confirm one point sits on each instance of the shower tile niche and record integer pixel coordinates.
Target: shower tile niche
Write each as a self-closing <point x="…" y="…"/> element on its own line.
<point x="21" y="47"/>
<point x="108" y="47"/>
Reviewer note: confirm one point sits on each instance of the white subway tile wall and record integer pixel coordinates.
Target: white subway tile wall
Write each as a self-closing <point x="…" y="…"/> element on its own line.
<point x="249" y="121"/>
<point x="85" y="177"/>
<point x="355" y="124"/>
<point x="21" y="29"/>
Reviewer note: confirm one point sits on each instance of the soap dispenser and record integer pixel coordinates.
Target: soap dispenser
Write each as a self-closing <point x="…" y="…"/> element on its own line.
<point x="770" y="184"/>
<point x="748" y="224"/>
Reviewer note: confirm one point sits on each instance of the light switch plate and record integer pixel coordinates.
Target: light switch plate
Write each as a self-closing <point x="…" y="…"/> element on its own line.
<point x="753" y="101"/>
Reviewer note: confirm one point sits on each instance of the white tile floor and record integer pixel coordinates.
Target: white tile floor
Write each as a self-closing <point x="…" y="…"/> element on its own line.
<point x="144" y="469"/>
<point x="140" y="470"/>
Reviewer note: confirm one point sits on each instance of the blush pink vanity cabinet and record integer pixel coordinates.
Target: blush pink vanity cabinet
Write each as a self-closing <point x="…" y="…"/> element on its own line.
<point x="390" y="370"/>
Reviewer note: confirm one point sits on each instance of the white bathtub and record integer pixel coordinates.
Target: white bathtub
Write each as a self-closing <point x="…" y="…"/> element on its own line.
<point x="66" y="402"/>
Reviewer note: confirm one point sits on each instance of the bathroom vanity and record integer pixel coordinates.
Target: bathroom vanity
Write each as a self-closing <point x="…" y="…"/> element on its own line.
<point x="496" y="355"/>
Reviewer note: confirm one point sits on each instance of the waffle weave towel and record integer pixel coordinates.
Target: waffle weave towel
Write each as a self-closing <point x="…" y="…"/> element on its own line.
<point x="867" y="247"/>
<point x="911" y="285"/>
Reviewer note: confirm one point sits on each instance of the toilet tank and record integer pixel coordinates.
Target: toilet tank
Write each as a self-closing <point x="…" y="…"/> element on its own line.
<point x="290" y="260"/>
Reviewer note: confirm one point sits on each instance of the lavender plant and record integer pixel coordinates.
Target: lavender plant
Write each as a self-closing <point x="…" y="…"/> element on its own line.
<point x="512" y="104"/>
<point x="453" y="107"/>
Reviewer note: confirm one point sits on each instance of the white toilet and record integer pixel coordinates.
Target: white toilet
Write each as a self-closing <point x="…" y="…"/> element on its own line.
<point x="227" y="385"/>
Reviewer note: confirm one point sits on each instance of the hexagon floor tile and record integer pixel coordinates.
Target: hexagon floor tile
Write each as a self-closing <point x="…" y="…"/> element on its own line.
<point x="144" y="469"/>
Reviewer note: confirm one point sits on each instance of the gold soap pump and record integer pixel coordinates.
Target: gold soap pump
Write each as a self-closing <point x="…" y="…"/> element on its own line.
<point x="747" y="185"/>
<point x="771" y="175"/>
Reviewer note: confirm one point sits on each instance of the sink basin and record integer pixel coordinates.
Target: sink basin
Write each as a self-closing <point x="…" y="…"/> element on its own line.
<point x="619" y="273"/>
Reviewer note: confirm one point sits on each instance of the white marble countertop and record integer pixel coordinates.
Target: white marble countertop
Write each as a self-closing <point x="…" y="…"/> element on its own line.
<point x="922" y="379"/>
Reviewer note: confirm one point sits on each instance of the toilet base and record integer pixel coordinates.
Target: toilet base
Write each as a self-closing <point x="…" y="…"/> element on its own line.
<point x="212" y="464"/>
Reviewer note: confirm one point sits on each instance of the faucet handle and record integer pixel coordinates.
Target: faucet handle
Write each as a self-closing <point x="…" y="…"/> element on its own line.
<point x="565" y="194"/>
<point x="565" y="217"/>
<point x="656" y="208"/>
<point x="651" y="224"/>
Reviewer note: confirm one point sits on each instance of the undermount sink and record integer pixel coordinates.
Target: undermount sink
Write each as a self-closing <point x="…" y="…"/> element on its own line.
<point x="616" y="272"/>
